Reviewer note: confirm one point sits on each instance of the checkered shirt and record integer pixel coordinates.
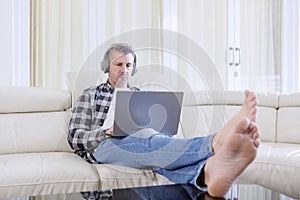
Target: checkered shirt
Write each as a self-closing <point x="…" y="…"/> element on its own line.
<point x="88" y="116"/>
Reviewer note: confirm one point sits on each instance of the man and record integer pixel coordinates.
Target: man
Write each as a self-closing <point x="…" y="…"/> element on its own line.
<point x="210" y="163"/>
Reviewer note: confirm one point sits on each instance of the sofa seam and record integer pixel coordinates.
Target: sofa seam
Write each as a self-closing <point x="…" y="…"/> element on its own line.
<point x="273" y="163"/>
<point x="45" y="183"/>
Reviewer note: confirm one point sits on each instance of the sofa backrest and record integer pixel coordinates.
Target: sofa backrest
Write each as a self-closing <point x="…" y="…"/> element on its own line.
<point x="206" y="112"/>
<point x="34" y="119"/>
<point x="77" y="81"/>
<point x="288" y="124"/>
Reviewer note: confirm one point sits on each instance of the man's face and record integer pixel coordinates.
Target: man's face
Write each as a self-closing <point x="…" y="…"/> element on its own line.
<point x="120" y="68"/>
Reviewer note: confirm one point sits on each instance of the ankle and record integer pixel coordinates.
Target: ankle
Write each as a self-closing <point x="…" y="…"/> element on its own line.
<point x="201" y="178"/>
<point x="215" y="145"/>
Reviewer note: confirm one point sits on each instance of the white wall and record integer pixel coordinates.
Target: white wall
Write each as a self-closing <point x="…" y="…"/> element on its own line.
<point x="6" y="42"/>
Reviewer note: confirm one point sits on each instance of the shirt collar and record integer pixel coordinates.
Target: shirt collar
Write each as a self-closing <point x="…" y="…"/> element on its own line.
<point x="107" y="87"/>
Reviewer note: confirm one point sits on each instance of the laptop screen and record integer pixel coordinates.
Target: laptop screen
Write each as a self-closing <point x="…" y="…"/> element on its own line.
<point x="137" y="110"/>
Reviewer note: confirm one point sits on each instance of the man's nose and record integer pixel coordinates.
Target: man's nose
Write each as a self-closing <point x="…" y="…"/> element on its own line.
<point x="123" y="68"/>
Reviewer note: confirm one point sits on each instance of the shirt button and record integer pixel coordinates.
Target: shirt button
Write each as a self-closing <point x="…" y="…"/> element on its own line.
<point x="106" y="108"/>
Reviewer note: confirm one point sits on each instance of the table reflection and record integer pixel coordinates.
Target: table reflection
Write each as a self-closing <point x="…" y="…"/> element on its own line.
<point x="167" y="192"/>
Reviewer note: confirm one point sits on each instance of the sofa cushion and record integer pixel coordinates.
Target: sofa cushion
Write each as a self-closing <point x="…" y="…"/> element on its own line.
<point x="209" y="119"/>
<point x="45" y="173"/>
<point x="33" y="99"/>
<point x="202" y="120"/>
<point x="267" y="128"/>
<point x="289" y="100"/>
<point x="207" y="112"/>
<point x="288" y="126"/>
<point x="277" y="167"/>
<point x="34" y="132"/>
<point x="77" y="81"/>
<point x="114" y="176"/>
<point x="227" y="98"/>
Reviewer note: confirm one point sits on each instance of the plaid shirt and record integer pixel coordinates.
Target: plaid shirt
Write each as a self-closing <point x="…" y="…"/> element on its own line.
<point x="89" y="114"/>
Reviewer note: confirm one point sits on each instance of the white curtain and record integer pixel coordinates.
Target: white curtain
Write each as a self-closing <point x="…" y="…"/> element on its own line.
<point x="290" y="47"/>
<point x="71" y="34"/>
<point x="267" y="40"/>
<point x="204" y="24"/>
<point x="58" y="40"/>
<point x="189" y="37"/>
<point x="261" y="39"/>
<point x="133" y="21"/>
<point x="269" y="45"/>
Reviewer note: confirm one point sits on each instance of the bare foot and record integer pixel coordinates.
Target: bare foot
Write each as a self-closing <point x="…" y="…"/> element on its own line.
<point x="237" y="152"/>
<point x="249" y="107"/>
<point x="248" y="110"/>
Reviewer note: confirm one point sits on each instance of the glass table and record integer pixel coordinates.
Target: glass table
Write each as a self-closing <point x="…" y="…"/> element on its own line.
<point x="167" y="192"/>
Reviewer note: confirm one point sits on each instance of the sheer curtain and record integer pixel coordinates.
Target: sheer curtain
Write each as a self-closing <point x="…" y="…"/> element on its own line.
<point x="261" y="39"/>
<point x="268" y="36"/>
<point x="269" y="45"/>
<point x="204" y="24"/>
<point x="290" y="47"/>
<point x="133" y="21"/>
<point x="58" y="40"/>
<point x="71" y="34"/>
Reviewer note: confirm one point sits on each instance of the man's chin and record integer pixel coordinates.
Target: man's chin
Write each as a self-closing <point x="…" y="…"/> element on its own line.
<point x="123" y="79"/>
<point x="122" y="82"/>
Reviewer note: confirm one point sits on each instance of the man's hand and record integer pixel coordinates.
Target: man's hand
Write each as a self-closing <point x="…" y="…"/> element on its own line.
<point x="109" y="132"/>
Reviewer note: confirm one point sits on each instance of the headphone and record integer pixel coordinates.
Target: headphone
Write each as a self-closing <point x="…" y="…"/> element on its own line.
<point x="106" y="62"/>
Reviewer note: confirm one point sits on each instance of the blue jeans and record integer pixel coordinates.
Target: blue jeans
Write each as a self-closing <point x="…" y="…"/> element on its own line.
<point x="179" y="160"/>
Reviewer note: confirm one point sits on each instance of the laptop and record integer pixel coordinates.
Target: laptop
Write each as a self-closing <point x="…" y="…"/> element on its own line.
<point x="137" y="110"/>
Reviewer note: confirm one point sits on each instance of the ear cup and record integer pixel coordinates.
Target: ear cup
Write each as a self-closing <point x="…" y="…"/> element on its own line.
<point x="105" y="62"/>
<point x="134" y="70"/>
<point x="105" y="66"/>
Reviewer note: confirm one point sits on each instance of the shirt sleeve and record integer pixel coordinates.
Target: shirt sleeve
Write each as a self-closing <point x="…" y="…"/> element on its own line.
<point x="81" y="135"/>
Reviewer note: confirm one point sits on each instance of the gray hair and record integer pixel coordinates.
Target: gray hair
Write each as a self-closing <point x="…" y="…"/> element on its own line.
<point x="120" y="47"/>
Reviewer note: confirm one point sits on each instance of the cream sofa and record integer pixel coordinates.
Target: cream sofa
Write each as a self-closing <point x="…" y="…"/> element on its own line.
<point x="277" y="165"/>
<point x="35" y="157"/>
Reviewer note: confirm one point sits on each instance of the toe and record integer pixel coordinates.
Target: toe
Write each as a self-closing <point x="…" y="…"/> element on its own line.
<point x="243" y="125"/>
